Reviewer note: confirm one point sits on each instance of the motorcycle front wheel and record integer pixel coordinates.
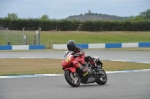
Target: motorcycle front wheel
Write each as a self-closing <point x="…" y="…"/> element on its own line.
<point x="72" y="79"/>
<point x="102" y="79"/>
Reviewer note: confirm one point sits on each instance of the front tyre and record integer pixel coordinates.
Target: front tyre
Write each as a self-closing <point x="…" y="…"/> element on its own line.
<point x="102" y="79"/>
<point x="73" y="79"/>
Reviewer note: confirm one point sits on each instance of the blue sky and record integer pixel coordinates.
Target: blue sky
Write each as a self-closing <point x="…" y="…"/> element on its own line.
<point x="60" y="9"/>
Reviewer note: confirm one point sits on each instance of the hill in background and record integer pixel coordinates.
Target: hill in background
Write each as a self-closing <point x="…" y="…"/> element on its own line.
<point x="95" y="16"/>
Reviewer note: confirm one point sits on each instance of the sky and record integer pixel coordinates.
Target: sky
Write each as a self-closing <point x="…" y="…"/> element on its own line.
<point x="59" y="9"/>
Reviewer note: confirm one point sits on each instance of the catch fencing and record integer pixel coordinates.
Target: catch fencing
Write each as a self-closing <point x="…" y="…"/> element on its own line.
<point x="15" y="37"/>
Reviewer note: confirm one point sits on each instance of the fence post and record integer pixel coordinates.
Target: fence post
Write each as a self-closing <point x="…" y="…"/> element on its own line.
<point x="23" y="36"/>
<point x="26" y="39"/>
<point x="39" y="35"/>
<point x="34" y="39"/>
<point x="6" y="34"/>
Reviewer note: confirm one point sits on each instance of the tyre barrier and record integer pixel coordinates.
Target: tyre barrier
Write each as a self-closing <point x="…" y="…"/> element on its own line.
<point x="22" y="47"/>
<point x="105" y="45"/>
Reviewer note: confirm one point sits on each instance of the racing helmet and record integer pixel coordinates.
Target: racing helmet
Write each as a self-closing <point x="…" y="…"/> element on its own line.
<point x="71" y="45"/>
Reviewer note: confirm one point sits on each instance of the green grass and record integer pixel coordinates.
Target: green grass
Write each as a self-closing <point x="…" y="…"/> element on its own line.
<point x="51" y="66"/>
<point x="2" y="38"/>
<point x="61" y="37"/>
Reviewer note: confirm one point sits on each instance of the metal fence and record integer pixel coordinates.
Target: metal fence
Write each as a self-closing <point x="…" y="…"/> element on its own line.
<point x="15" y="37"/>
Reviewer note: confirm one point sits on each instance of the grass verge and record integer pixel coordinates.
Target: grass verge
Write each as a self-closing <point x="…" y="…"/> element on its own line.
<point x="51" y="66"/>
<point x="61" y="37"/>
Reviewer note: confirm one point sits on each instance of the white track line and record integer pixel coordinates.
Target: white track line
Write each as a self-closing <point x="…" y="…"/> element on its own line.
<point x="46" y="75"/>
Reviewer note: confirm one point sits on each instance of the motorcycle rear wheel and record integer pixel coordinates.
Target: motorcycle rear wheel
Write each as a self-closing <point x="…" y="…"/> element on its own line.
<point x="72" y="79"/>
<point x="103" y="78"/>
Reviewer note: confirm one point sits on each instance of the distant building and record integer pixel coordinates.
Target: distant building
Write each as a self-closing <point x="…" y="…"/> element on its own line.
<point x="89" y="11"/>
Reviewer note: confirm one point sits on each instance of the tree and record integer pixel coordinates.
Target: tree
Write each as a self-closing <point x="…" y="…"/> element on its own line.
<point x="44" y="17"/>
<point x="137" y="18"/>
<point x="145" y="14"/>
<point x="12" y="16"/>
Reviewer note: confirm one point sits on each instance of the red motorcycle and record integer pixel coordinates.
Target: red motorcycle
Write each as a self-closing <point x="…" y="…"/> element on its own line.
<point x="74" y="76"/>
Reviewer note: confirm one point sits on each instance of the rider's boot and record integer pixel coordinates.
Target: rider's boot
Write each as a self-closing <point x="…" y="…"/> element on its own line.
<point x="86" y="71"/>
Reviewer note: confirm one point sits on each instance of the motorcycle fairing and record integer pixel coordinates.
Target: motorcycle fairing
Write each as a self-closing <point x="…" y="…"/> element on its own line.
<point x="72" y="69"/>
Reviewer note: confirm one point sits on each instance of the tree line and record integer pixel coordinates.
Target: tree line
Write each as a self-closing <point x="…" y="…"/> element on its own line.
<point x="138" y="23"/>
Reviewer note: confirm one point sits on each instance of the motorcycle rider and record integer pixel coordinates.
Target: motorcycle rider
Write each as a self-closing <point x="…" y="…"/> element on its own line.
<point x="82" y="65"/>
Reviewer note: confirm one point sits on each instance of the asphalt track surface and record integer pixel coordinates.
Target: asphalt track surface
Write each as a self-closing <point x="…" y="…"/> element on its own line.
<point x="136" y="56"/>
<point x="135" y="85"/>
<point x="131" y="85"/>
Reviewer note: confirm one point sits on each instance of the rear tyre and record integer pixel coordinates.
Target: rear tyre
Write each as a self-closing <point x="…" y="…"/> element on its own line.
<point x="72" y="79"/>
<point x="102" y="79"/>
